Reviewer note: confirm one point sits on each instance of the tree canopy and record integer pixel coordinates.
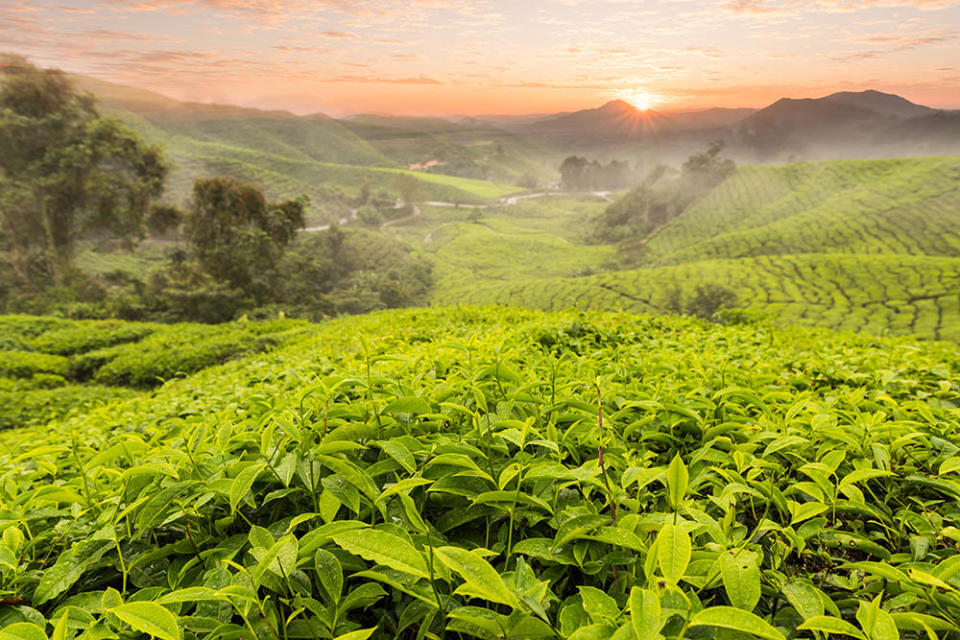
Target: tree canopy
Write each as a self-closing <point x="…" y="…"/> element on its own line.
<point x="66" y="171"/>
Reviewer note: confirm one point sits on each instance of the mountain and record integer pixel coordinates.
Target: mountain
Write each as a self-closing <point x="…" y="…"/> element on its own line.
<point x="843" y="125"/>
<point x="616" y="120"/>
<point x="884" y="103"/>
<point x="707" y="118"/>
<point x="816" y="117"/>
<point x="316" y="137"/>
<point x="938" y="132"/>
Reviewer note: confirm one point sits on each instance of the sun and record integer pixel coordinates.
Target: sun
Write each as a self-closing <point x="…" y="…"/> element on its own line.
<point x="639" y="98"/>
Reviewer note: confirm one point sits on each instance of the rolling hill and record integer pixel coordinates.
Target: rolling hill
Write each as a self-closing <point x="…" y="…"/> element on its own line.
<point x="284" y="153"/>
<point x="869" y="245"/>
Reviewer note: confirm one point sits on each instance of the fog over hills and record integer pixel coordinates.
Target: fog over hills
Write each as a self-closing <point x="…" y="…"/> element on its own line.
<point x="289" y="153"/>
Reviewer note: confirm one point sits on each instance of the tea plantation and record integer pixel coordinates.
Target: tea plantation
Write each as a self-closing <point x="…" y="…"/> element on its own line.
<point x="868" y="245"/>
<point x="480" y="473"/>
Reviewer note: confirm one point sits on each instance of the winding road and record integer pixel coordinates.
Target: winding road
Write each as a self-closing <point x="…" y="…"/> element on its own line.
<point x="505" y="202"/>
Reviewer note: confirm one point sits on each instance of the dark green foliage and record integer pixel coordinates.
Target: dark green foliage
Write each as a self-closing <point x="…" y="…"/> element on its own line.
<point x="236" y="236"/>
<point x="164" y="218"/>
<point x="352" y="271"/>
<point x="708" y="299"/>
<point x="369" y="216"/>
<point x="580" y="174"/>
<point x="65" y="171"/>
<point x="663" y="195"/>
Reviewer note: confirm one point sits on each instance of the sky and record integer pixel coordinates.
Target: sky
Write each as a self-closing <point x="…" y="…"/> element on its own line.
<point x="439" y="57"/>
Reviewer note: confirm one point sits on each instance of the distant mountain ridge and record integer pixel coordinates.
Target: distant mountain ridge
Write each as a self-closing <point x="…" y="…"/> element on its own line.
<point x="521" y="148"/>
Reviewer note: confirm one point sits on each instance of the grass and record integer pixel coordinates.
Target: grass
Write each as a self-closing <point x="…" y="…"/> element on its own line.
<point x="493" y="472"/>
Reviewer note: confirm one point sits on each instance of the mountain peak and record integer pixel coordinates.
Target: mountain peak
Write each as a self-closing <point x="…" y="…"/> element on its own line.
<point x="618" y="105"/>
<point x="888" y="104"/>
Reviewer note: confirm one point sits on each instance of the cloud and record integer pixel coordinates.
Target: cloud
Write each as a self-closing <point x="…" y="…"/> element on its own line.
<point x="102" y="35"/>
<point x="893" y="43"/>
<point x="381" y="80"/>
<point x="339" y="35"/>
<point x="798" y="6"/>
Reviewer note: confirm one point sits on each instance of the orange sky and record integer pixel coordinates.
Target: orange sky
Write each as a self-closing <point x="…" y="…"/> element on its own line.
<point x="497" y="56"/>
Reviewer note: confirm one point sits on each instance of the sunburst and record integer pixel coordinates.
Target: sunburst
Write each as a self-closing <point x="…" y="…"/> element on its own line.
<point x="639" y="98"/>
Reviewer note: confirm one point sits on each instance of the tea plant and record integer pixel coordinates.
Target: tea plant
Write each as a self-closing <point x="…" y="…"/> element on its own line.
<point x="496" y="473"/>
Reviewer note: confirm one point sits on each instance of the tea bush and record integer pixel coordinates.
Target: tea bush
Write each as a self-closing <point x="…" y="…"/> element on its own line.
<point x="87" y="336"/>
<point x="495" y="473"/>
<point x="24" y="364"/>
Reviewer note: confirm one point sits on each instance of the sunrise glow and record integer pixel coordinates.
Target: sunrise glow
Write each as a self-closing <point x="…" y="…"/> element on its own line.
<point x="473" y="57"/>
<point x="639" y="98"/>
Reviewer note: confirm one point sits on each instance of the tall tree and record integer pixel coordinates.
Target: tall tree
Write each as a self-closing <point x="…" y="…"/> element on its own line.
<point x="65" y="171"/>
<point x="237" y="236"/>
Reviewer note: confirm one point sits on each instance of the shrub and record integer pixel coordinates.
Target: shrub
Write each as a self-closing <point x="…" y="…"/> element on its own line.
<point x="708" y="299"/>
<point x="182" y="350"/>
<point x="24" y="408"/>
<point x="86" y="336"/>
<point x="24" y="364"/>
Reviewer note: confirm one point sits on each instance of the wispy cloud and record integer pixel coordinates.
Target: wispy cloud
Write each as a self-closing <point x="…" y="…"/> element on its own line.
<point x="381" y="80"/>
<point x="466" y="55"/>
<point x="796" y="6"/>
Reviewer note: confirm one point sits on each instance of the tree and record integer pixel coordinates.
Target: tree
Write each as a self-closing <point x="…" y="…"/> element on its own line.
<point x="708" y="299"/>
<point x="65" y="171"/>
<point x="703" y="171"/>
<point x="237" y="236"/>
<point x="408" y="186"/>
<point x="572" y="173"/>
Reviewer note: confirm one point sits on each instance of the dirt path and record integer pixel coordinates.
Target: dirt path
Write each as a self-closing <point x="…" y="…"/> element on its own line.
<point x="507" y="202"/>
<point x="341" y="222"/>
<point x="390" y="223"/>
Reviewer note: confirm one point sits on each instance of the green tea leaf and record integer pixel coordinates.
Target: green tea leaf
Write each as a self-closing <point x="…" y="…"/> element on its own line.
<point x="673" y="552"/>
<point x="480" y="579"/>
<point x="241" y="485"/>
<point x="831" y="625"/>
<point x="741" y="578"/>
<point x="645" y="613"/>
<point x="330" y="574"/>
<point x="737" y="620"/>
<point x="150" y="618"/>
<point x="384" y="548"/>
<point x="677" y="480"/>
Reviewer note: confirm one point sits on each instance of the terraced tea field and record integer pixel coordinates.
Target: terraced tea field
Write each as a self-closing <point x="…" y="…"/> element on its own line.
<point x="535" y="238"/>
<point x="867" y="245"/>
<point x="51" y="367"/>
<point x="903" y="206"/>
<point x="485" y="473"/>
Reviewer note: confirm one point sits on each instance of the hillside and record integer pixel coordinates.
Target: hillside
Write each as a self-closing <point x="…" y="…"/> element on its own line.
<point x="451" y="476"/>
<point x="468" y="147"/>
<point x="284" y="153"/>
<point x="901" y="206"/>
<point x="871" y="245"/>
